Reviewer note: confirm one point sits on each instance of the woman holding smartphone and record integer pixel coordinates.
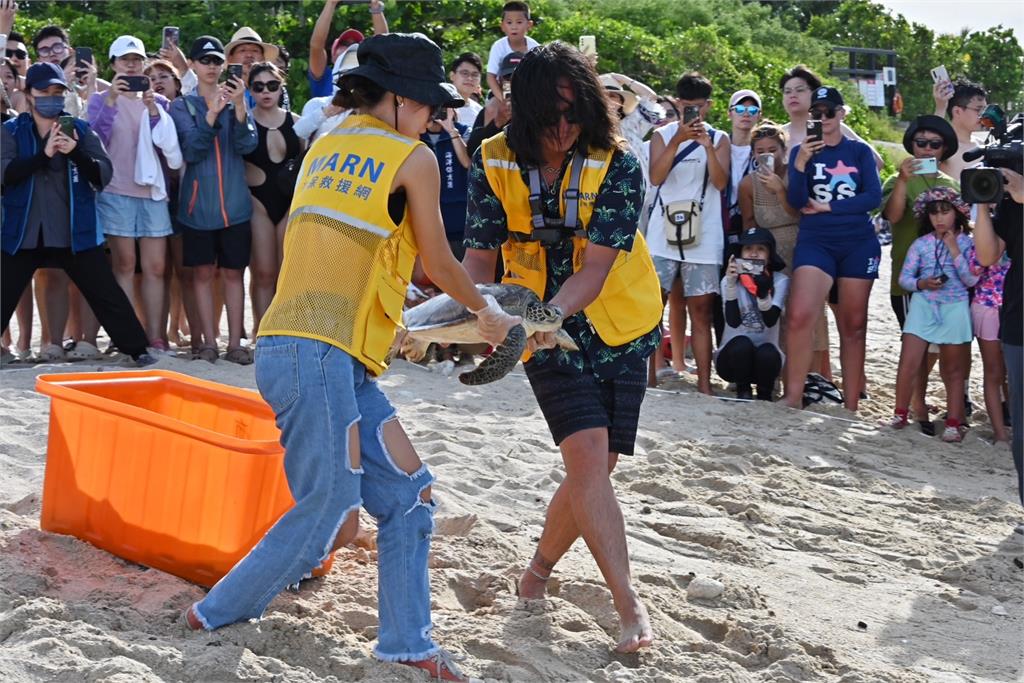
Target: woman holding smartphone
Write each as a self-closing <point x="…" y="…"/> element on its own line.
<point x="762" y="194"/>
<point x="835" y="183"/>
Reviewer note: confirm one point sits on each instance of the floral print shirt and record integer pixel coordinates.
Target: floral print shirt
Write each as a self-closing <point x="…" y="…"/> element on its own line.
<point x="989" y="289"/>
<point x="929" y="257"/>
<point x="612" y="224"/>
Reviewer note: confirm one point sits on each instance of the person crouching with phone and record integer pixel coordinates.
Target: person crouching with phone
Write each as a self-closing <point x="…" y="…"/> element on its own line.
<point x="50" y="179"/>
<point x="754" y="293"/>
<point x="133" y="206"/>
<point x="834" y="182"/>
<point x="938" y="271"/>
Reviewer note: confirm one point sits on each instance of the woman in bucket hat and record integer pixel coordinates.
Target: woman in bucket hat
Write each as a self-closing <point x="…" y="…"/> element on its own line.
<point x="938" y="270"/>
<point x="366" y="196"/>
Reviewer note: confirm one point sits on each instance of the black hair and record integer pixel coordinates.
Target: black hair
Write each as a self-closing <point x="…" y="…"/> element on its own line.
<point x="924" y="223"/>
<point x="668" y="104"/>
<point x="263" y="67"/>
<point x="49" y="32"/>
<point x="358" y="92"/>
<point x="812" y="79"/>
<point x="15" y="37"/>
<point x="768" y="129"/>
<point x="515" y="6"/>
<point x="963" y="92"/>
<point x="693" y="86"/>
<point x="285" y="56"/>
<point x="536" y="100"/>
<point x="471" y="57"/>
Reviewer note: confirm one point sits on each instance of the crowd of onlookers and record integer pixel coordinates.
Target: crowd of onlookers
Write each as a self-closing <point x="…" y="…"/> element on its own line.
<point x="757" y="228"/>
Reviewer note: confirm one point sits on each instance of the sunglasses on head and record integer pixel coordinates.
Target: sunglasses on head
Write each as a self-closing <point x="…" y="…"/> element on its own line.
<point x="823" y="112"/>
<point x="269" y="86"/>
<point x="926" y="143"/>
<point x="210" y="60"/>
<point x="17" y="54"/>
<point x="751" y="109"/>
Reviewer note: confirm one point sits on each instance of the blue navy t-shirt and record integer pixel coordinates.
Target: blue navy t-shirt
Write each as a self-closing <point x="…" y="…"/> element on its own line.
<point x="320" y="87"/>
<point x="845" y="177"/>
<point x="453" y="180"/>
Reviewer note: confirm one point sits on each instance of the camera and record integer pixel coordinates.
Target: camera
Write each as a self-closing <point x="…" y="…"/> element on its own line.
<point x="985" y="185"/>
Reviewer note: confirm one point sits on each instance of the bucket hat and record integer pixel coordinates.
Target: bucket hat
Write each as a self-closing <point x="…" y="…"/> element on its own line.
<point x="765" y="237"/>
<point x="941" y="194"/>
<point x="407" y="64"/>
<point x="937" y="125"/>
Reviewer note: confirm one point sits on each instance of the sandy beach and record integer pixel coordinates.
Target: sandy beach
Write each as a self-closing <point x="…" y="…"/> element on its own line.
<point x="848" y="552"/>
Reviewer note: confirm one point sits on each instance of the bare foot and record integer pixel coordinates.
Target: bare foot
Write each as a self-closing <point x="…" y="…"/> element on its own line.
<point x="636" y="630"/>
<point x="797" y="403"/>
<point x="533" y="583"/>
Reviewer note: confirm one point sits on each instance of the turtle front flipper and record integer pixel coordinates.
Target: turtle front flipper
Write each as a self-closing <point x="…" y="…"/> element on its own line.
<point x="500" y="362"/>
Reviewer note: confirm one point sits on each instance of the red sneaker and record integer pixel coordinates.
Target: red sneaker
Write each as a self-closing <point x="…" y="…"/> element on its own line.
<point x="441" y="667"/>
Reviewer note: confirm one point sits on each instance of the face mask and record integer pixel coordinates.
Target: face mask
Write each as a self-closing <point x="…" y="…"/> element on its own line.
<point x="49" y="106"/>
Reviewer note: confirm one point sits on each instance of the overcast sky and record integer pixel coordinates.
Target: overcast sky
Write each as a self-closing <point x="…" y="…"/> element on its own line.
<point x="946" y="16"/>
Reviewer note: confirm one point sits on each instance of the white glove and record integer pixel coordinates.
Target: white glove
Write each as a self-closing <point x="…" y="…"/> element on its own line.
<point x="493" y="322"/>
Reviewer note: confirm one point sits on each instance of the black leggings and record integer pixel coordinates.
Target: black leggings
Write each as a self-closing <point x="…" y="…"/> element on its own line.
<point x="741" y="362"/>
<point x="91" y="273"/>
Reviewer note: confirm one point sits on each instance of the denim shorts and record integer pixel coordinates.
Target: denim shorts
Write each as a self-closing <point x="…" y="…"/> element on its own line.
<point x="697" y="278"/>
<point x="121" y="216"/>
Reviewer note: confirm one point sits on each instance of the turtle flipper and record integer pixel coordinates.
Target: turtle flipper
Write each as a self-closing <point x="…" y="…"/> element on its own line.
<point x="500" y="362"/>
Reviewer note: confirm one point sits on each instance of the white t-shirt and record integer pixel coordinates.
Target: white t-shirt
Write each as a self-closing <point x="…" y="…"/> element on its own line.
<point x="502" y="48"/>
<point x="466" y="114"/>
<point x="738" y="169"/>
<point x="685" y="183"/>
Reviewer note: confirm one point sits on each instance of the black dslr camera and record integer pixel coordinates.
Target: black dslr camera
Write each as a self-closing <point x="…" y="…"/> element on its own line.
<point x="985" y="185"/>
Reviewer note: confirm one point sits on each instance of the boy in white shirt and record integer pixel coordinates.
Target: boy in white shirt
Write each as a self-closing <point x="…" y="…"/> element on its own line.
<point x="515" y="22"/>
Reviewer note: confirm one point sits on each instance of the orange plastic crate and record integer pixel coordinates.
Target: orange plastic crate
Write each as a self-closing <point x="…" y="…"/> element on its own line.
<point x="173" y="472"/>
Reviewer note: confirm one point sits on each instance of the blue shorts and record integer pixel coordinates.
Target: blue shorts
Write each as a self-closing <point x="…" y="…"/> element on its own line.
<point x="843" y="257"/>
<point x="121" y="216"/>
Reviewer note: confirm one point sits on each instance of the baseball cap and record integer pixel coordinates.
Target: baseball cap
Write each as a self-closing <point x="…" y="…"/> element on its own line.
<point x="827" y="94"/>
<point x="127" y="45"/>
<point x="349" y="36"/>
<point x="509" y="64"/>
<point x="741" y="95"/>
<point x="42" y="75"/>
<point x="206" y="45"/>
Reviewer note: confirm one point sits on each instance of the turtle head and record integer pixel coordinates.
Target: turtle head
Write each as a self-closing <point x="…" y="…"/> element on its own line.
<point x="543" y="316"/>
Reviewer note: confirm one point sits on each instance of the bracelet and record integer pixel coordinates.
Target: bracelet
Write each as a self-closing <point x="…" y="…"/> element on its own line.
<point x="455" y="137"/>
<point x="377" y="11"/>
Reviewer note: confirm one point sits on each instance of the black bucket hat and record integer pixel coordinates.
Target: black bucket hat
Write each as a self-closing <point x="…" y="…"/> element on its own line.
<point x="407" y="64"/>
<point x="765" y="237"/>
<point x="937" y="125"/>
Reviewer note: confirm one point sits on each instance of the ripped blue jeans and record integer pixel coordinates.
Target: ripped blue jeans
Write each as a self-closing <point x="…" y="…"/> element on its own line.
<point x="317" y="392"/>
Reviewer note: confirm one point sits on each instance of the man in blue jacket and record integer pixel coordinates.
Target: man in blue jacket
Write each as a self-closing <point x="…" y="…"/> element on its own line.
<point x="50" y="178"/>
<point x="214" y="205"/>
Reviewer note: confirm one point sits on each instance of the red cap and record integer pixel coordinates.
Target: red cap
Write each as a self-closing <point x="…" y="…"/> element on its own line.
<point x="349" y="36"/>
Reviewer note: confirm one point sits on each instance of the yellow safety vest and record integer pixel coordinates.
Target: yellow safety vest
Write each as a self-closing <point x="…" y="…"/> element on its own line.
<point x="629" y="304"/>
<point x="346" y="264"/>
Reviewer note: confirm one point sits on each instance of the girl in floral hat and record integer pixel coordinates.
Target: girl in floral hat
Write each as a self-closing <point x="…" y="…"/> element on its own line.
<point x="938" y="273"/>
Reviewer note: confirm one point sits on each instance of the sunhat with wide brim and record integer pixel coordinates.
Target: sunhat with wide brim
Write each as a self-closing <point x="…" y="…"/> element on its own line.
<point x="629" y="99"/>
<point x="937" y="125"/>
<point x="246" y="36"/>
<point x="407" y="64"/>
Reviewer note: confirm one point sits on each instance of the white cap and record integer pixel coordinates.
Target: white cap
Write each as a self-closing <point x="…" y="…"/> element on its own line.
<point x="345" y="62"/>
<point x="741" y="95"/>
<point x="127" y="45"/>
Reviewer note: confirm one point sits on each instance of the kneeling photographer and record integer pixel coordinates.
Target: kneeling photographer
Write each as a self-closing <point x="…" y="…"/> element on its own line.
<point x="998" y="190"/>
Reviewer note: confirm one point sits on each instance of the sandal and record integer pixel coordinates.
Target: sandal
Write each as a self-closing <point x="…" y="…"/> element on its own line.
<point x="239" y="355"/>
<point x="51" y="353"/>
<point x="84" y="351"/>
<point x="927" y="427"/>
<point x="207" y="353"/>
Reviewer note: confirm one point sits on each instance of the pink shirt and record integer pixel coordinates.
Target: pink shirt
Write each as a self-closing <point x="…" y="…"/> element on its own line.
<point x="118" y="128"/>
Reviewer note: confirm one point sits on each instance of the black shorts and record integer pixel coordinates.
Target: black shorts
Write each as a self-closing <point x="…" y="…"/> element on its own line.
<point x="225" y="247"/>
<point x="573" y="402"/>
<point x="901" y="307"/>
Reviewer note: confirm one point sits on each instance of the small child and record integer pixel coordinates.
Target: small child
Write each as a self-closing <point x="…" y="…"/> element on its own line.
<point x="988" y="299"/>
<point x="938" y="273"/>
<point x="515" y="22"/>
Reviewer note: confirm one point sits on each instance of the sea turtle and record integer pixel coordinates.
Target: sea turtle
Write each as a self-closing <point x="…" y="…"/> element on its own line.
<point x="446" y="321"/>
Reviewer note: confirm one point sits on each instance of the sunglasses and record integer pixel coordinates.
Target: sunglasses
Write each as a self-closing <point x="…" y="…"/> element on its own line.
<point x="17" y="54"/>
<point x="570" y="116"/>
<point x="823" y="112"/>
<point x="925" y="143"/>
<point x="210" y="60"/>
<point x="269" y="86"/>
<point x="751" y="109"/>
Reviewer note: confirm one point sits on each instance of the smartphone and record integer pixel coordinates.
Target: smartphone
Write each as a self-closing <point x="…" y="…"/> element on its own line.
<point x="83" y="56"/>
<point x="940" y="74"/>
<point x="171" y="36"/>
<point x="691" y="113"/>
<point x="926" y="166"/>
<point x="588" y="46"/>
<point x="67" y="125"/>
<point x="765" y="164"/>
<point x="136" y="83"/>
<point x="752" y="266"/>
<point x="942" y="277"/>
<point x="235" y="71"/>
<point x="506" y="90"/>
<point x="814" y="130"/>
